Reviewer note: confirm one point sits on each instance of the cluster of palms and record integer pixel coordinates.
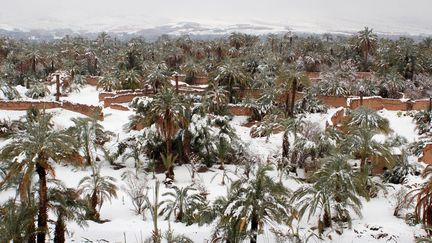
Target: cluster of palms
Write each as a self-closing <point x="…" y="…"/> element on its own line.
<point x="241" y="60"/>
<point x="176" y="130"/>
<point x="32" y="152"/>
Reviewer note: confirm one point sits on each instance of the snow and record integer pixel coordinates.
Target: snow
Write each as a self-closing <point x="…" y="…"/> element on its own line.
<point x="85" y="96"/>
<point x="401" y="124"/>
<point x="124" y="225"/>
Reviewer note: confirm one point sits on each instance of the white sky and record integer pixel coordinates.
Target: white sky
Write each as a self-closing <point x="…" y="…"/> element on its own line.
<point x="414" y="16"/>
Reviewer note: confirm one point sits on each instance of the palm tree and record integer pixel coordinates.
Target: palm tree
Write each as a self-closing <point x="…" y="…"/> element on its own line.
<point x="168" y="112"/>
<point x="333" y="191"/>
<point x="423" y="198"/>
<point x="360" y="144"/>
<point x="108" y="82"/>
<point x="136" y="147"/>
<point x="366" y="41"/>
<point x="17" y="219"/>
<point x="237" y="40"/>
<point x="216" y="99"/>
<point x="231" y="74"/>
<point x="157" y="77"/>
<point x="97" y="189"/>
<point x="289" y="80"/>
<point x="34" y="56"/>
<point x="67" y="206"/>
<point x="192" y="70"/>
<point x="181" y="203"/>
<point x="130" y="79"/>
<point x="250" y="203"/>
<point x="366" y="118"/>
<point x="90" y="135"/>
<point x="32" y="150"/>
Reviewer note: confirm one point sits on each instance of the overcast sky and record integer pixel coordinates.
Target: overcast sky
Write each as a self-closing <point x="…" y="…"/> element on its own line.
<point x="385" y="15"/>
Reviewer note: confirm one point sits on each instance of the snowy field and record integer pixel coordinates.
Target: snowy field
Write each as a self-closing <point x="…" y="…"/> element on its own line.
<point x="377" y="224"/>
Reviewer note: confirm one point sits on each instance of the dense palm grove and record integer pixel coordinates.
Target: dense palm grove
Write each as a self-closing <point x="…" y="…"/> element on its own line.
<point x="178" y="129"/>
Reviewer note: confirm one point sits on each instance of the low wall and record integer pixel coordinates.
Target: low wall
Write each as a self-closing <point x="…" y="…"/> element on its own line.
<point x="119" y="107"/>
<point x="123" y="98"/>
<point x="422" y="104"/>
<point x="92" y="80"/>
<point x="240" y="110"/>
<point x="427" y="154"/>
<point x="336" y="118"/>
<point x="200" y="80"/>
<point x="27" y="104"/>
<point x="105" y="94"/>
<point x="378" y="103"/>
<point x="333" y="101"/>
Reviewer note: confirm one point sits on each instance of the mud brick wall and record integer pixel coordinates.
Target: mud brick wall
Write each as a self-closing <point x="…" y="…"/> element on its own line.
<point x="240" y="110"/>
<point x="87" y="110"/>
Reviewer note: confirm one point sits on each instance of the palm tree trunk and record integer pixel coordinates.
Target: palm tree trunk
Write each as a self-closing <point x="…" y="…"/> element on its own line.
<point x="32" y="231"/>
<point x="254" y="228"/>
<point x="43" y="204"/>
<point x="362" y="164"/>
<point x="187" y="146"/>
<point x="230" y="89"/>
<point x="34" y="65"/>
<point x="287" y="98"/>
<point x="93" y="203"/>
<point x="60" y="230"/>
<point x="285" y="145"/>
<point x="327" y="219"/>
<point x="293" y="93"/>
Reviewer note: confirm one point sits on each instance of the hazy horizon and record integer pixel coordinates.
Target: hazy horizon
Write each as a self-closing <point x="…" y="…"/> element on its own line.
<point x="392" y="16"/>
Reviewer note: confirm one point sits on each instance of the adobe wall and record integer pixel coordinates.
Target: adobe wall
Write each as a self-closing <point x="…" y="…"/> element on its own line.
<point x="88" y="110"/>
<point x="119" y="107"/>
<point x="198" y="80"/>
<point x="122" y="98"/>
<point x="104" y="94"/>
<point x="427" y="154"/>
<point x="333" y="101"/>
<point x="27" y="104"/>
<point x="92" y="80"/>
<point x="422" y="104"/>
<point x="240" y="110"/>
<point x="378" y="103"/>
<point x="336" y="118"/>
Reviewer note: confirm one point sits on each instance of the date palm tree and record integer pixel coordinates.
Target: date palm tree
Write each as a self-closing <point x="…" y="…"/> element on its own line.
<point x="366" y="41"/>
<point x="17" y="219"/>
<point x="67" y="206"/>
<point x="168" y="111"/>
<point x="90" y="135"/>
<point x="33" y="150"/>
<point x="157" y="76"/>
<point x="97" y="188"/>
<point x="332" y="193"/>
<point x="181" y="203"/>
<point x="288" y="81"/>
<point x="216" y="99"/>
<point x="250" y="203"/>
<point x="423" y="200"/>
<point x="231" y="74"/>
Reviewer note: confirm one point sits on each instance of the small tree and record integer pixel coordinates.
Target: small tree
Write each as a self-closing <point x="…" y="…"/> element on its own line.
<point x="250" y="203"/>
<point x="181" y="203"/>
<point x="67" y="206"/>
<point x="333" y="191"/>
<point x="97" y="189"/>
<point x="137" y="190"/>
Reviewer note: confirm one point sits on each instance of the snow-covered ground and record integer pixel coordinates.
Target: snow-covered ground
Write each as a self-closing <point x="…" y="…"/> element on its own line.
<point x="377" y="224"/>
